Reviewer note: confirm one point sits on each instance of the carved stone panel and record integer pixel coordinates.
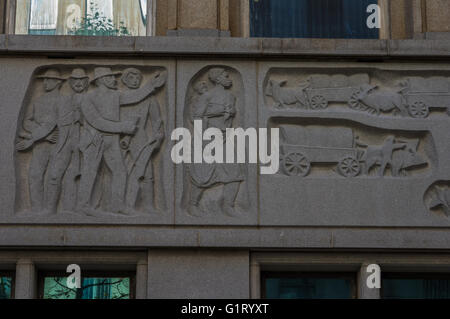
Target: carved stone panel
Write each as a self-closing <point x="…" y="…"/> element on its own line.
<point x="91" y="144"/>
<point x="219" y="96"/>
<point x="378" y="93"/>
<point x="360" y="144"/>
<point x="321" y="147"/>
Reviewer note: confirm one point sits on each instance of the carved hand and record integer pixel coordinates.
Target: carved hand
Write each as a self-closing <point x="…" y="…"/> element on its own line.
<point x="159" y="79"/>
<point x="24" y="145"/>
<point x="53" y="137"/>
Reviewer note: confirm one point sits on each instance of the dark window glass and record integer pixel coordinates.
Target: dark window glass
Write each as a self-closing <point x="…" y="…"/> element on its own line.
<point x="6" y="286"/>
<point x="311" y="19"/>
<point x="92" y="287"/>
<point x="308" y="286"/>
<point x="425" y="286"/>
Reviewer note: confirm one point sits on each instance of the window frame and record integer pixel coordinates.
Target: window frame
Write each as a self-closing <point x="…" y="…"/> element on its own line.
<point x="437" y="262"/>
<point x="86" y="274"/>
<point x="30" y="16"/>
<point x="11" y="274"/>
<point x="306" y="274"/>
<point x="412" y="275"/>
<point x="10" y="18"/>
<point x="384" y="32"/>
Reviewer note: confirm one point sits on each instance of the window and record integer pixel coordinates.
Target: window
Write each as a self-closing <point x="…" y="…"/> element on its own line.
<point x="415" y="286"/>
<point x="82" y="17"/>
<point x="6" y="286"/>
<point x="288" y="285"/>
<point x="93" y="286"/>
<point x="311" y="19"/>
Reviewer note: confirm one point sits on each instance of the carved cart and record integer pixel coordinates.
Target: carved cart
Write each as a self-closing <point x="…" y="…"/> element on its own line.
<point x="302" y="146"/>
<point x="339" y="88"/>
<point x="423" y="94"/>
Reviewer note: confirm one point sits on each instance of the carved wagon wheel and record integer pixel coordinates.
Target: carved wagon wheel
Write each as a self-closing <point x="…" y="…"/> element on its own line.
<point x="419" y="110"/>
<point x="318" y="102"/>
<point x="296" y="164"/>
<point x="349" y="167"/>
<point x="355" y="103"/>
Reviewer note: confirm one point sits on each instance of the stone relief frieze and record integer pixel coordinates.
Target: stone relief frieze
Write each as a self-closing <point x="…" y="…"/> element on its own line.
<point x="399" y="96"/>
<point x="87" y="141"/>
<point x="326" y="148"/>
<point x="215" y="96"/>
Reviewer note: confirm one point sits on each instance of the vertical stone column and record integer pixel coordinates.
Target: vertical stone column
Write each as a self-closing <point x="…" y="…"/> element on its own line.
<point x="364" y="292"/>
<point x="437" y="19"/>
<point x="399" y="26"/>
<point x="385" y="31"/>
<point x="418" y="17"/>
<point x="255" y="280"/>
<point x="2" y="17"/>
<point x="10" y="15"/>
<point x="25" y="283"/>
<point x="141" y="279"/>
<point x="198" y="18"/>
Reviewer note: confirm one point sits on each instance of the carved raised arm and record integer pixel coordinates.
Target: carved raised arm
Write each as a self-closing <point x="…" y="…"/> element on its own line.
<point x="94" y="118"/>
<point x="136" y="96"/>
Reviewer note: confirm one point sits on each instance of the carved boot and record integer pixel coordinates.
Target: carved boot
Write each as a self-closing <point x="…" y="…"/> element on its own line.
<point x="229" y="209"/>
<point x="194" y="209"/>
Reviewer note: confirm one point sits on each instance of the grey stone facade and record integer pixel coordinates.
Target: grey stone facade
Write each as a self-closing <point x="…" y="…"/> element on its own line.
<point x="364" y="147"/>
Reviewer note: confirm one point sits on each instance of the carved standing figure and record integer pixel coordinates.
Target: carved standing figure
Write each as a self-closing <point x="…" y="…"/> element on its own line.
<point x="100" y="135"/>
<point x="67" y="151"/>
<point x="141" y="146"/>
<point x="216" y="108"/>
<point x="41" y="134"/>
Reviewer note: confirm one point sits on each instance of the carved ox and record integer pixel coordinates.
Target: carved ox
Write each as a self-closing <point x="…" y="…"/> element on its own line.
<point x="407" y="158"/>
<point x="379" y="102"/>
<point x="285" y="95"/>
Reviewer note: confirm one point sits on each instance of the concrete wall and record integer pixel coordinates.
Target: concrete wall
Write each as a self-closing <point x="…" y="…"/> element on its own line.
<point x="198" y="274"/>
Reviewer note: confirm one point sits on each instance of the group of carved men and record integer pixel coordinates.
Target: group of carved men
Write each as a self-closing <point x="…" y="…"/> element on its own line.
<point x="71" y="136"/>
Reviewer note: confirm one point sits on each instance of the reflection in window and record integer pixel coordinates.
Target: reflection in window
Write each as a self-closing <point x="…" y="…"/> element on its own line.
<point x="81" y="17"/>
<point x="308" y="286"/>
<point x="43" y="16"/>
<point x="92" y="288"/>
<point x="5" y="287"/>
<point x="415" y="287"/>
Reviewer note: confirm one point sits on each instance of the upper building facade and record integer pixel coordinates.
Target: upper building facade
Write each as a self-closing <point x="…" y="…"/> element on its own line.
<point x="92" y="93"/>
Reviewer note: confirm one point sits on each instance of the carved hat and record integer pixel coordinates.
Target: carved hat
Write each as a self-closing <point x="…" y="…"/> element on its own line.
<point x="78" y="73"/>
<point x="51" y="74"/>
<point x="101" y="72"/>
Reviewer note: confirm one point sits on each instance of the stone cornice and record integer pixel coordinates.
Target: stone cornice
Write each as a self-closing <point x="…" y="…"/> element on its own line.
<point x="227" y="47"/>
